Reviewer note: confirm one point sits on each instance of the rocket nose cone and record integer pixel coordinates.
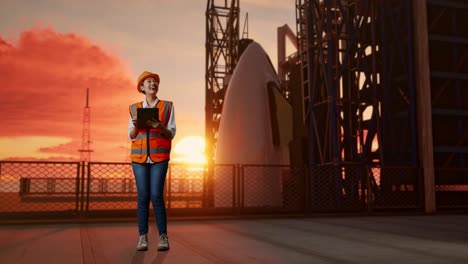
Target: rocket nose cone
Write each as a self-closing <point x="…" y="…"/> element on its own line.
<point x="253" y="71"/>
<point x="245" y="134"/>
<point x="256" y="59"/>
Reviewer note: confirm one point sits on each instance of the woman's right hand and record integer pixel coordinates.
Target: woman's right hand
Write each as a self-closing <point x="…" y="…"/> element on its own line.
<point x="134" y="131"/>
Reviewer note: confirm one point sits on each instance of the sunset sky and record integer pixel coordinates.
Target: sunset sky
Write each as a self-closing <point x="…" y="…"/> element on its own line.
<point x="52" y="50"/>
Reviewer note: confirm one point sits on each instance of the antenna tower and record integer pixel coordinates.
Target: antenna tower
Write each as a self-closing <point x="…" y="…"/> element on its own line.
<point x="85" y="151"/>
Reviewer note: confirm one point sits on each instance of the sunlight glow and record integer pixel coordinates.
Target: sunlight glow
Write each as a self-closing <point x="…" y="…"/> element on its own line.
<point x="190" y="150"/>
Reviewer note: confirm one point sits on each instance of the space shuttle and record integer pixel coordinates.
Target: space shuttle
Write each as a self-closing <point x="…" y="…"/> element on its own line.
<point x="255" y="128"/>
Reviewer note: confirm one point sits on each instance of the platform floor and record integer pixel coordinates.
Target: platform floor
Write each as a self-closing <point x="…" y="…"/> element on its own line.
<point x="371" y="239"/>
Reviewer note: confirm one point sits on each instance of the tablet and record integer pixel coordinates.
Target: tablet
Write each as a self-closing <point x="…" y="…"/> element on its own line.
<point x="145" y="114"/>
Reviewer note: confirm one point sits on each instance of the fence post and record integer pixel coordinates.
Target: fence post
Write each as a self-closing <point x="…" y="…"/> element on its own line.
<point x="421" y="189"/>
<point x="367" y="174"/>
<point x="306" y="189"/>
<point x="235" y="188"/>
<point x="82" y="186"/>
<point x="77" y="188"/>
<point x="88" y="186"/>
<point x="241" y="171"/>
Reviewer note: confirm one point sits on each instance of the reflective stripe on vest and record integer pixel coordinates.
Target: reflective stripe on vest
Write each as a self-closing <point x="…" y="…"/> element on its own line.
<point x="151" y="135"/>
<point x="152" y="151"/>
<point x="159" y="147"/>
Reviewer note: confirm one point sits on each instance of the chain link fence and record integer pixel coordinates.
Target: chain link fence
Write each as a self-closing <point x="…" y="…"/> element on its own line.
<point x="39" y="188"/>
<point x="356" y="187"/>
<point x="337" y="188"/>
<point x="31" y="190"/>
<point x="109" y="188"/>
<point x="397" y="188"/>
<point x="271" y="189"/>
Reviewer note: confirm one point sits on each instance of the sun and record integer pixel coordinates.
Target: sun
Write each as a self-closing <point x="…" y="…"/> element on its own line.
<point x="190" y="150"/>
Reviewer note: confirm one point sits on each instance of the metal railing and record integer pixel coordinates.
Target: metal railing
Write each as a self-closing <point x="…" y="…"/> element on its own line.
<point x="451" y="188"/>
<point x="72" y="189"/>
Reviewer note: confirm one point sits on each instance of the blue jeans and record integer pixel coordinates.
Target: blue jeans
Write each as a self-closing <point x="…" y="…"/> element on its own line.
<point x="150" y="180"/>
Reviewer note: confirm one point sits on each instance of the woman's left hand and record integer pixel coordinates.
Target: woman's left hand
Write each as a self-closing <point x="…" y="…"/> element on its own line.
<point x="154" y="123"/>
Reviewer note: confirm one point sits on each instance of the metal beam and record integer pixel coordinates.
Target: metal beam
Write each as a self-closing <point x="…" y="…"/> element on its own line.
<point x="450" y="149"/>
<point x="449" y="39"/>
<point x="450" y="112"/>
<point x="424" y="111"/>
<point x="448" y="3"/>
<point x="449" y="75"/>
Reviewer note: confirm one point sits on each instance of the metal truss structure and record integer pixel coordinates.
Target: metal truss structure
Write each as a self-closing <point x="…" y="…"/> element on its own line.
<point x="85" y="151"/>
<point x="448" y="64"/>
<point x="448" y="44"/>
<point x="222" y="54"/>
<point x="358" y="87"/>
<point x="222" y="45"/>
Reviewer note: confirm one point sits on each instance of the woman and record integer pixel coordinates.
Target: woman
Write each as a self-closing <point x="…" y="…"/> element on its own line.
<point x="150" y="152"/>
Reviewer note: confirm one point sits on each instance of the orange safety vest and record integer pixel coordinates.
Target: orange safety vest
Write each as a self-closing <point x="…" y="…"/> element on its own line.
<point x="151" y="141"/>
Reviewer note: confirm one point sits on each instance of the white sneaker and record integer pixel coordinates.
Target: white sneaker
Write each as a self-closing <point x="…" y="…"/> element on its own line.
<point x="142" y="243"/>
<point x="163" y="243"/>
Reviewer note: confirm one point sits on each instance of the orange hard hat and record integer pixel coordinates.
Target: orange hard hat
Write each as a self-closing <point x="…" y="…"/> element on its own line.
<point x="143" y="76"/>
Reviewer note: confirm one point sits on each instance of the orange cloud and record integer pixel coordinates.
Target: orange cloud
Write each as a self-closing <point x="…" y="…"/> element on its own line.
<point x="69" y="148"/>
<point x="43" y="85"/>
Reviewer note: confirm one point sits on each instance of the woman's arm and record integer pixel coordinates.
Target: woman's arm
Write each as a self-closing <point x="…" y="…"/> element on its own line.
<point x="156" y="124"/>
<point x="132" y="130"/>
<point x="169" y="131"/>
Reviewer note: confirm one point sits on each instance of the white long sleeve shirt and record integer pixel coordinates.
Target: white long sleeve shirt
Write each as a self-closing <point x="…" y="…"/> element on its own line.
<point x="171" y="126"/>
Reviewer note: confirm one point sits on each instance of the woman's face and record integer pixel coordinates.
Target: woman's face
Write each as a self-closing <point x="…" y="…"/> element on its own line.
<point x="150" y="86"/>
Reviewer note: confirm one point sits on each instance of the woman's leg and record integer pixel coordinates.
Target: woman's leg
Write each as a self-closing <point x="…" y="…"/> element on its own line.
<point x="157" y="179"/>
<point x="141" y="172"/>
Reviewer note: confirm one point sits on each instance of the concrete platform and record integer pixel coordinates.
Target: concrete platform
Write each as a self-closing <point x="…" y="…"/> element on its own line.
<point x="377" y="239"/>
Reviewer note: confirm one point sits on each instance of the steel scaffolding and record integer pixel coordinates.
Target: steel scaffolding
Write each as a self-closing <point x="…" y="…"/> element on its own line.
<point x="448" y="43"/>
<point x="222" y="44"/>
<point x="448" y="64"/>
<point x="358" y="87"/>
<point x="222" y="47"/>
